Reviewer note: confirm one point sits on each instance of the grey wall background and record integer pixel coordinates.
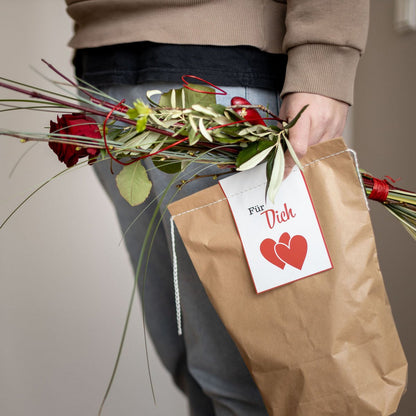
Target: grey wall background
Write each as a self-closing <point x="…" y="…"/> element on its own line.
<point x="65" y="279"/>
<point x="385" y="140"/>
<point x="64" y="276"/>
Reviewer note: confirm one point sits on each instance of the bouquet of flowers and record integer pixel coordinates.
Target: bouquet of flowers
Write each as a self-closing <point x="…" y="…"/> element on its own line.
<point x="185" y="126"/>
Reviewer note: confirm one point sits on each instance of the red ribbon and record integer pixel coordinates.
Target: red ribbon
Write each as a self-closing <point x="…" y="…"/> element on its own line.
<point x="380" y="190"/>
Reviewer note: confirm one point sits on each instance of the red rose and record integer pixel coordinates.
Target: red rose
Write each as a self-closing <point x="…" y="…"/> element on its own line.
<point x="74" y="125"/>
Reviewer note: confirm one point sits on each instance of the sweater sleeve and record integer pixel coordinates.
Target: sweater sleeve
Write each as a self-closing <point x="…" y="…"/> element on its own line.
<point x="324" y="41"/>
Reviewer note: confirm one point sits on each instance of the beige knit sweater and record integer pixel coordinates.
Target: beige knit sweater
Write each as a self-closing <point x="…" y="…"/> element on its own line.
<point x="324" y="39"/>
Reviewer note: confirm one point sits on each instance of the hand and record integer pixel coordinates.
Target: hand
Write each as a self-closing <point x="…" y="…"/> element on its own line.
<point x="324" y="119"/>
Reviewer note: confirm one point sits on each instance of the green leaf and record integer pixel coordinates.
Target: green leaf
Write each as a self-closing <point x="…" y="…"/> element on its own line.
<point x="255" y="160"/>
<point x="231" y="131"/>
<point x="203" y="130"/>
<point x="251" y="150"/>
<point x="277" y="173"/>
<point x="132" y="113"/>
<point x="293" y="122"/>
<point x="140" y="109"/>
<point x="224" y="139"/>
<point x="141" y="124"/>
<point x="293" y="154"/>
<point x="144" y="140"/>
<point x="133" y="183"/>
<point x="218" y="108"/>
<point x="114" y="133"/>
<point x="205" y="110"/>
<point x="173" y="99"/>
<point x="193" y="137"/>
<point x="167" y="165"/>
<point x="188" y="97"/>
<point x="269" y="166"/>
<point x="151" y="93"/>
<point x="275" y="128"/>
<point x="193" y="97"/>
<point x="192" y="122"/>
<point x="256" y="129"/>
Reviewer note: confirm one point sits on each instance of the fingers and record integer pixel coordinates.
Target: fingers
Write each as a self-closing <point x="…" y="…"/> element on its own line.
<point x="298" y="136"/>
<point x="289" y="165"/>
<point x="324" y="119"/>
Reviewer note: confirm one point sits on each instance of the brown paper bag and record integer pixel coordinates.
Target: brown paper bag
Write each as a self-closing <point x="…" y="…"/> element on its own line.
<point x="323" y="345"/>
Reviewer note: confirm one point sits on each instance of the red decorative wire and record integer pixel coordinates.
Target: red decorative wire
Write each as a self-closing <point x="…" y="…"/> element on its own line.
<point x="186" y="85"/>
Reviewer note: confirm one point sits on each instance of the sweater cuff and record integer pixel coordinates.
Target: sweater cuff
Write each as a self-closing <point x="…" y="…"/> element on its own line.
<point x="323" y="69"/>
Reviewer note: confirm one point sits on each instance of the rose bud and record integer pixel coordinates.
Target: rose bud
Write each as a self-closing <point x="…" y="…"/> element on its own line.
<point x="249" y="114"/>
<point x="74" y="125"/>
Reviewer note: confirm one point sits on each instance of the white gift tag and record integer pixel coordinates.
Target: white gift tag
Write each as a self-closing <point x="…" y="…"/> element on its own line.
<point x="283" y="242"/>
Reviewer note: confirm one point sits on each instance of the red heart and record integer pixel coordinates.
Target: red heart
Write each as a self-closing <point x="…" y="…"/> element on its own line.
<point x="293" y="253"/>
<point x="284" y="238"/>
<point x="267" y="248"/>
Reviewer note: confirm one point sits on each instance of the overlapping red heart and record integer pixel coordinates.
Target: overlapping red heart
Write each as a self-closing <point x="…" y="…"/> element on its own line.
<point x="289" y="250"/>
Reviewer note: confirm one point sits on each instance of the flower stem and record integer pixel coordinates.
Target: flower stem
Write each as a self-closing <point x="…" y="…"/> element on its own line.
<point x="90" y="110"/>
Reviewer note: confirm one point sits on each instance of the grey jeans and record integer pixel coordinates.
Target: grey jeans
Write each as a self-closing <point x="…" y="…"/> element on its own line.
<point x="204" y="362"/>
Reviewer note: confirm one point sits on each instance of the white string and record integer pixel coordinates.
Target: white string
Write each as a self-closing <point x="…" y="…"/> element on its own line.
<point x="175" y="278"/>
<point x="354" y="156"/>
